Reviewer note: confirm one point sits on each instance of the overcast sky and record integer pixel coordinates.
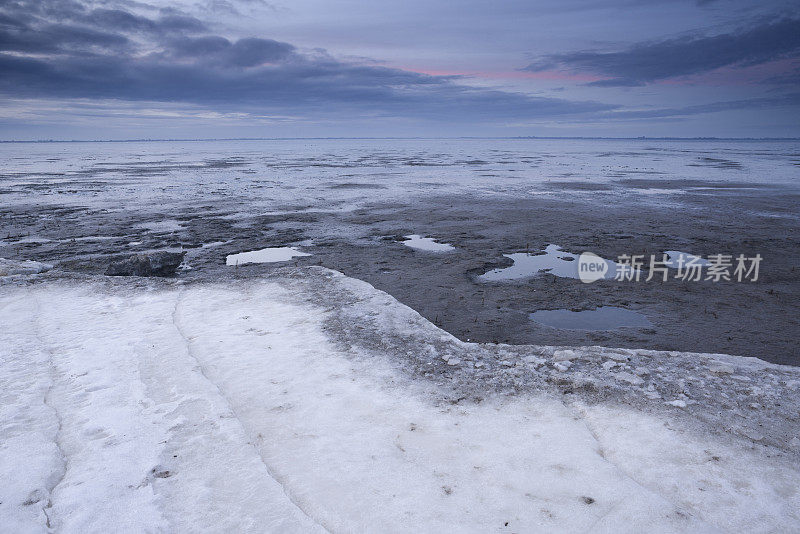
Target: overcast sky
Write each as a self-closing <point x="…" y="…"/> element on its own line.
<point x="116" y="69"/>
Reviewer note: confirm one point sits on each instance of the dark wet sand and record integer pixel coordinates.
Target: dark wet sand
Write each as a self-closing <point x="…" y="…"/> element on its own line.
<point x="760" y="319"/>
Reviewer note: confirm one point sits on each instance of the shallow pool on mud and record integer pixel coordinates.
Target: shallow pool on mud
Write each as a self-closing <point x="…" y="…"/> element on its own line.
<point x="553" y="260"/>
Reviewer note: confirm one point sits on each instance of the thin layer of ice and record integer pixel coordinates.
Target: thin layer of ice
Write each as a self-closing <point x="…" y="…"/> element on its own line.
<point x="265" y="255"/>
<point x="165" y="226"/>
<point x="248" y="178"/>
<point x="427" y="244"/>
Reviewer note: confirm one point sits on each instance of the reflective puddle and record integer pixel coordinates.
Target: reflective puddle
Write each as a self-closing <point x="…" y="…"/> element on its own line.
<point x="602" y="318"/>
<point x="426" y="243"/>
<point x="264" y="255"/>
<point x="554" y="261"/>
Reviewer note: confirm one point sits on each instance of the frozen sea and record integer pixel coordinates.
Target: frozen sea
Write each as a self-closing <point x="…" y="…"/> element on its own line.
<point x="330" y="358"/>
<point x="351" y="205"/>
<point x="258" y="177"/>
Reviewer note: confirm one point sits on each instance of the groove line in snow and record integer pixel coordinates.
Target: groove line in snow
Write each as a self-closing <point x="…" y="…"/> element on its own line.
<point x="53" y="372"/>
<point x="289" y="494"/>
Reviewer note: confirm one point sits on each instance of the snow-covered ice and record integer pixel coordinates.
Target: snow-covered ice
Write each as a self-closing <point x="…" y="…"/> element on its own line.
<point x="427" y="244"/>
<point x="308" y="401"/>
<point x="265" y="255"/>
<point x="181" y="175"/>
<point x="165" y="226"/>
<point x="22" y="267"/>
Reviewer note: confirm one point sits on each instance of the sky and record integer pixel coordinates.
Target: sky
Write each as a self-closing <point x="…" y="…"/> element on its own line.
<point x="125" y="69"/>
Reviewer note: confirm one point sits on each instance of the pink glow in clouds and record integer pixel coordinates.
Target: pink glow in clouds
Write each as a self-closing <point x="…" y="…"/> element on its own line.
<point x="731" y="75"/>
<point x="550" y="75"/>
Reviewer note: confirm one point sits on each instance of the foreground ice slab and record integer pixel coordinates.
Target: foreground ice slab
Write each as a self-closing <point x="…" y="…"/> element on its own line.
<point x="312" y="402"/>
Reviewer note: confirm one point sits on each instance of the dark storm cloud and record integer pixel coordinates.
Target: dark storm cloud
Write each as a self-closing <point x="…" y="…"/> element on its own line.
<point x="117" y="19"/>
<point x="199" y="46"/>
<point x="180" y="23"/>
<point x="57" y="37"/>
<point x="120" y="20"/>
<point x="246" y="52"/>
<point x="649" y="62"/>
<point x="38" y="16"/>
<point x="117" y="54"/>
<point x="298" y="86"/>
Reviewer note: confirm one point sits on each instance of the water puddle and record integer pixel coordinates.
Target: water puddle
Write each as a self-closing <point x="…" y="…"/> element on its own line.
<point x="554" y="261"/>
<point x="427" y="244"/>
<point x="602" y="318"/>
<point x="265" y="255"/>
<point x="676" y="258"/>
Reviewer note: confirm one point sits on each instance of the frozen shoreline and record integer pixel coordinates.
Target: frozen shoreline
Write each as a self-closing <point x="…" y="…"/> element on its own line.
<point x="349" y="202"/>
<point x="307" y="400"/>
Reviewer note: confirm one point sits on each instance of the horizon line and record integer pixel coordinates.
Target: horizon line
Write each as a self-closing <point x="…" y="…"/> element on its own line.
<point x="323" y="138"/>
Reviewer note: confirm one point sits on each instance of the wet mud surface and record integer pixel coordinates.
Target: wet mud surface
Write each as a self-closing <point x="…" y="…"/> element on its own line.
<point x="760" y="319"/>
<point x="744" y="318"/>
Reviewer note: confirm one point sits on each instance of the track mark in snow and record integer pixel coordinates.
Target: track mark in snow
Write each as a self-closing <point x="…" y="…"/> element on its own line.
<point x="109" y="433"/>
<point x="188" y="343"/>
<point x="241" y="394"/>
<point x="57" y="476"/>
<point x="48" y="401"/>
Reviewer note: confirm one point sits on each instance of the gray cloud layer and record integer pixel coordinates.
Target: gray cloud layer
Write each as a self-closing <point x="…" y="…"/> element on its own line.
<point x="63" y="49"/>
<point x="125" y="54"/>
<point x="649" y="62"/>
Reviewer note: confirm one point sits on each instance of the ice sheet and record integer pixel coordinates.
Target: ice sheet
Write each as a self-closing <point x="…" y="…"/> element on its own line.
<point x="249" y="178"/>
<point x="235" y="407"/>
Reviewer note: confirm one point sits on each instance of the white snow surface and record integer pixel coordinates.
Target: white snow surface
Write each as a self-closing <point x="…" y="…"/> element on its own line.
<point x="265" y="255"/>
<point x="131" y="406"/>
<point x="428" y="244"/>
